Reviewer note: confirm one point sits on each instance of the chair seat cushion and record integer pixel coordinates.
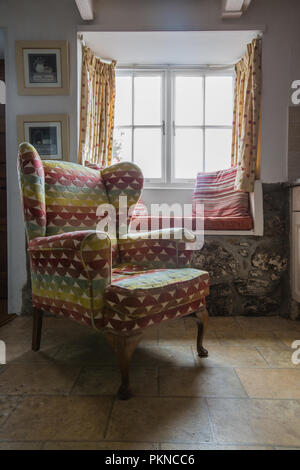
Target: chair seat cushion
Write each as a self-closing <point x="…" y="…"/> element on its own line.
<point x="139" y="298"/>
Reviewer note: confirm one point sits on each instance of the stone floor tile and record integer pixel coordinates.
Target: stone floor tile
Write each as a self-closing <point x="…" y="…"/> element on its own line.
<point x="227" y="356"/>
<point x="223" y="323"/>
<point x="278" y="359"/>
<point x="100" y="446"/>
<point x="22" y="353"/>
<point x="7" y="405"/>
<point x="192" y="447"/>
<point x="288" y="337"/>
<point x="20" y="445"/>
<point x="87" y="350"/>
<point x="272" y="324"/>
<point x="250" y="339"/>
<point x="36" y="379"/>
<point x="186" y="338"/>
<point x="160" y="419"/>
<point x="271" y="383"/>
<point x="200" y="382"/>
<point x="106" y="381"/>
<point x="47" y="418"/>
<point x="249" y="421"/>
<point x="164" y="356"/>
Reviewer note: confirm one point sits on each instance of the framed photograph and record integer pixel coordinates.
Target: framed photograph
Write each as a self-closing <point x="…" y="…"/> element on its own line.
<point x="48" y="133"/>
<point x="42" y="67"/>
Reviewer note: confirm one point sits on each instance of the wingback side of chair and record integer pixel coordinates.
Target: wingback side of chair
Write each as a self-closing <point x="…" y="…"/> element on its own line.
<point x="124" y="183"/>
<point x="123" y="179"/>
<point x="32" y="186"/>
<point x="70" y="263"/>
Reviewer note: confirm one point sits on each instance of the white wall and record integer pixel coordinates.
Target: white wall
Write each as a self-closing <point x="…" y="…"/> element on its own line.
<point x="32" y="20"/>
<point x="58" y="19"/>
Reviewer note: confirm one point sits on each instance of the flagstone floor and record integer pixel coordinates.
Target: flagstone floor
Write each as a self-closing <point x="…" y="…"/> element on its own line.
<point x="245" y="395"/>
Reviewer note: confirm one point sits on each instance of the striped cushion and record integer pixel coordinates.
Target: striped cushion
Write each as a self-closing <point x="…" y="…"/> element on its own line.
<point x="216" y="191"/>
<point x="140" y="210"/>
<point x="93" y="166"/>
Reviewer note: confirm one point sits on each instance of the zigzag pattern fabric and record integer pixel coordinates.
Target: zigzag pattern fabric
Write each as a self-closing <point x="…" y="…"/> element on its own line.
<point x="71" y="262"/>
<point x="123" y="179"/>
<point x="69" y="273"/>
<point x="142" y="299"/>
<point x="73" y="194"/>
<point x="32" y="186"/>
<point x="156" y="252"/>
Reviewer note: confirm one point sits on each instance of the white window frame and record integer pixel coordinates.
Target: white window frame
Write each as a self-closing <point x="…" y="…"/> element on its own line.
<point x="168" y="74"/>
<point x="134" y="72"/>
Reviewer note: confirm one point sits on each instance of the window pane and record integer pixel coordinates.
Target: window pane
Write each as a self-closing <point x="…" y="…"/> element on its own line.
<point x="147" y="100"/>
<point x="147" y="151"/>
<point x="122" y="145"/>
<point x="188" y="101"/>
<point x="217" y="149"/>
<point x="123" y="104"/>
<point x="188" y="153"/>
<point x="218" y="101"/>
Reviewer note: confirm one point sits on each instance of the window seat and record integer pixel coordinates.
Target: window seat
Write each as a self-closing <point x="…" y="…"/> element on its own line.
<point x="210" y="223"/>
<point x="251" y="224"/>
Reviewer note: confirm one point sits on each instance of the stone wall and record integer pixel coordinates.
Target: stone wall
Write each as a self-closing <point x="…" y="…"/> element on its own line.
<point x="248" y="274"/>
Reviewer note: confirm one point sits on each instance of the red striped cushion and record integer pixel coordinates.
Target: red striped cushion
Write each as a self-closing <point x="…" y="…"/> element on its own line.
<point x="93" y="166"/>
<point x="216" y="191"/>
<point x="140" y="210"/>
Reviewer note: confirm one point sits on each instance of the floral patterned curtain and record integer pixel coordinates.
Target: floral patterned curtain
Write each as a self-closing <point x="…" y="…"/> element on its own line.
<point x="246" y="117"/>
<point x="98" y="91"/>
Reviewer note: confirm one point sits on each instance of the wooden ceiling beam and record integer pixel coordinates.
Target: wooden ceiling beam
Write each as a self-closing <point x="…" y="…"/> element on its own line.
<point x="234" y="8"/>
<point x="85" y="8"/>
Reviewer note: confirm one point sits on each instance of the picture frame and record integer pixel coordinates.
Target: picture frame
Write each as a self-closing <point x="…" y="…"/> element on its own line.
<point x="48" y="133"/>
<point x="42" y="67"/>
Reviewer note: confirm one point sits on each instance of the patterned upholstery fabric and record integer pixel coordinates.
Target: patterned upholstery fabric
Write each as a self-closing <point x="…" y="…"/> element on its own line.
<point x="123" y="179"/>
<point x="73" y="193"/>
<point x="69" y="273"/>
<point x="140" y="299"/>
<point x="168" y="252"/>
<point x="71" y="261"/>
<point x="32" y="185"/>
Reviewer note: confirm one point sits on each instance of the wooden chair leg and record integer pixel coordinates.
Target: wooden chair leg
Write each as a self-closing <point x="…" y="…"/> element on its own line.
<point x="123" y="346"/>
<point x="201" y="318"/>
<point x="37" y="329"/>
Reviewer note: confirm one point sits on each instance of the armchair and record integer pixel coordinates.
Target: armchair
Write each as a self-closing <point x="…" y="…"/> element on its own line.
<point x="118" y="285"/>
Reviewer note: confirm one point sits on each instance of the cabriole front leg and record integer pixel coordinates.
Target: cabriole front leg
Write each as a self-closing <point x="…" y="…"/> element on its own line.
<point x="201" y="317"/>
<point x="124" y="347"/>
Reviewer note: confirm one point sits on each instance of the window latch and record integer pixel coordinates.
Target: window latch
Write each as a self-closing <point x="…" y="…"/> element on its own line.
<point x="174" y="128"/>
<point x="164" y="128"/>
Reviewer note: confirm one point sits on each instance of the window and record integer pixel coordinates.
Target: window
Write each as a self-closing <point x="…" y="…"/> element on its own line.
<point x="174" y="123"/>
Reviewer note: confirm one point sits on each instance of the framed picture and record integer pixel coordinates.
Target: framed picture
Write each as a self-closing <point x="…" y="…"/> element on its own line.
<point x="48" y="133"/>
<point x="42" y="67"/>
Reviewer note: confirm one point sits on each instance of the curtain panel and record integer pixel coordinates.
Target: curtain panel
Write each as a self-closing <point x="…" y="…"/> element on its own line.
<point x="246" y="117"/>
<point x="98" y="90"/>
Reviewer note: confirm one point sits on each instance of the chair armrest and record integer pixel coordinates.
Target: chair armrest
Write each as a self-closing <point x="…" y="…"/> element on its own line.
<point x="81" y="261"/>
<point x="164" y="248"/>
<point x="178" y="234"/>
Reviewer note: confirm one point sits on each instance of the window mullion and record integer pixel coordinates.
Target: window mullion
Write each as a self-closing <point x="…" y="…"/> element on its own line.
<point x="168" y="116"/>
<point x="203" y="131"/>
<point x="132" y="117"/>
